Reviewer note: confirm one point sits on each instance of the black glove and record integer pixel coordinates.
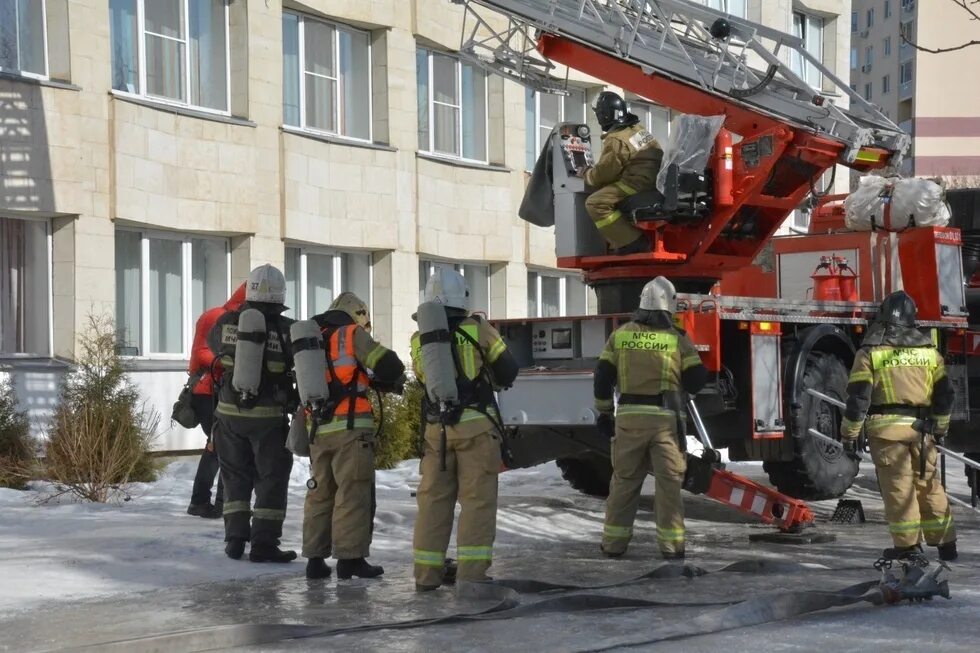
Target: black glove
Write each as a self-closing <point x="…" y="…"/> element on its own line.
<point x="851" y="448"/>
<point x="396" y="387"/>
<point x="606" y="425"/>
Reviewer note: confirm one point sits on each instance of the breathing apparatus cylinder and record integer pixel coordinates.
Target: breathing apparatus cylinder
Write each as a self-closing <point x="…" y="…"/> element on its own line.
<point x="249" y="350"/>
<point x="310" y="363"/>
<point x="437" y="354"/>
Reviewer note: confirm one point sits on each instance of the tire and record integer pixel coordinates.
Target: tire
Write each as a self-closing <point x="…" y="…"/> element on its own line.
<point x="589" y="474"/>
<point x="818" y="470"/>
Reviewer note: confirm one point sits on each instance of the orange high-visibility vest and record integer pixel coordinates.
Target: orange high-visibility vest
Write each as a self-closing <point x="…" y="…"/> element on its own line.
<point x="351" y="382"/>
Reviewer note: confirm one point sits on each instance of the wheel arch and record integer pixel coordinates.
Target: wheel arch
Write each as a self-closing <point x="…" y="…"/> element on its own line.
<point x="825" y="338"/>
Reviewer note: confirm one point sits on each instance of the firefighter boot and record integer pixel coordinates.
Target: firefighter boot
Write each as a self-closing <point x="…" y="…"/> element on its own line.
<point x="901" y="552"/>
<point x="357" y="567"/>
<point x="270" y="553"/>
<point x="672" y="555"/>
<point x="639" y="246"/>
<point x="235" y="548"/>
<point x="449" y="572"/>
<point x="206" y="510"/>
<point x="317" y="568"/>
<point x="947" y="551"/>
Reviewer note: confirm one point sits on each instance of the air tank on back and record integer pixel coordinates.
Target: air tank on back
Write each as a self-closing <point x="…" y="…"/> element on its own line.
<point x="310" y="362"/>
<point x="249" y="350"/>
<point x="437" y="354"/>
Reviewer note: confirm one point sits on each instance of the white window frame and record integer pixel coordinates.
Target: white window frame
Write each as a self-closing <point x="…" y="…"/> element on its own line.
<point x="901" y="73"/>
<point x="44" y="32"/>
<point x="429" y="148"/>
<point x="430" y="263"/>
<point x="806" y="17"/>
<point x="141" y="33"/>
<point x="868" y="91"/>
<point x="301" y="312"/>
<point x="338" y="109"/>
<point x="886" y="84"/>
<point x="854" y="58"/>
<point x="888" y="8"/>
<point x="650" y="107"/>
<point x="886" y="47"/>
<point x="870" y="16"/>
<point x="561" y="115"/>
<point x="49" y="246"/>
<point x="725" y="6"/>
<point x="186" y="288"/>
<point x="562" y="277"/>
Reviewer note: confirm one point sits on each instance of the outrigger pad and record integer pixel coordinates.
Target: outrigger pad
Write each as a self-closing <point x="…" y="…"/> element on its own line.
<point x="793" y="538"/>
<point x="848" y="511"/>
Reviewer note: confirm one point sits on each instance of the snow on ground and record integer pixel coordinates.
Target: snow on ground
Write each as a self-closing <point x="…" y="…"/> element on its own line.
<point x="140" y="567"/>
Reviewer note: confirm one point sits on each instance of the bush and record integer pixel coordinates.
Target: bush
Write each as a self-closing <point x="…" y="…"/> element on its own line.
<point x="17" y="448"/>
<point x="102" y="430"/>
<point x="400" y="432"/>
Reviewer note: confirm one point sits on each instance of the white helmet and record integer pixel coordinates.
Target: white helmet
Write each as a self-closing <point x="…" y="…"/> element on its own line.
<point x="659" y="295"/>
<point x="446" y="286"/>
<point x="266" y="285"/>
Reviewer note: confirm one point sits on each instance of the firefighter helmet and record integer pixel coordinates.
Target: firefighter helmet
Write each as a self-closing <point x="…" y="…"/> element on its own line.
<point x="898" y="309"/>
<point x="266" y="285"/>
<point x="610" y="110"/>
<point x="659" y="295"/>
<point x="354" y="306"/>
<point x="446" y="286"/>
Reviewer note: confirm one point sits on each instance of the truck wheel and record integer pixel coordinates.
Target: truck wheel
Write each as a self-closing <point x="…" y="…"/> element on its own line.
<point x="818" y="470"/>
<point x="589" y="474"/>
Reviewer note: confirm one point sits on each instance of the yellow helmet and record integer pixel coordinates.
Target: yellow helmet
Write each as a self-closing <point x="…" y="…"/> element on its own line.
<point x="354" y="306"/>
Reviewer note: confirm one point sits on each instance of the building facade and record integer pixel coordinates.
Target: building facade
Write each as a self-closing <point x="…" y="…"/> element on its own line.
<point x="929" y="94"/>
<point x="153" y="151"/>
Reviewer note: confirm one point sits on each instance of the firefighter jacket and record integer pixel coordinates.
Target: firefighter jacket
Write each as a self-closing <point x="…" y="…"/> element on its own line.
<point x="899" y="375"/>
<point x="277" y="394"/>
<point x="630" y="159"/>
<point x="201" y="354"/>
<point x="483" y="365"/>
<point x="650" y="362"/>
<point x="351" y="354"/>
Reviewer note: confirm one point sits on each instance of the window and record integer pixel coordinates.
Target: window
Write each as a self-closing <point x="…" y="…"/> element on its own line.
<point x="886" y="85"/>
<point x="886" y="46"/>
<point x="908" y="35"/>
<point x="477" y="276"/>
<point x="164" y="281"/>
<point x="326" y="71"/>
<point x="867" y="91"/>
<point x="542" y="111"/>
<point x="869" y="55"/>
<point x="555" y="295"/>
<point x="23" y="37"/>
<point x="905" y="73"/>
<point x="452" y="98"/>
<point x="854" y="58"/>
<point x="315" y="276"/>
<point x="171" y="50"/>
<point x="810" y="30"/>
<point x="888" y="8"/>
<point x="870" y="17"/>
<point x="655" y="118"/>
<point x="854" y="21"/>
<point x="733" y="7"/>
<point x="908" y="4"/>
<point x="25" y="292"/>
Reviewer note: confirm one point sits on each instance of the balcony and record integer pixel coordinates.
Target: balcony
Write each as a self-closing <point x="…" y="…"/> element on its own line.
<point x="906" y="90"/>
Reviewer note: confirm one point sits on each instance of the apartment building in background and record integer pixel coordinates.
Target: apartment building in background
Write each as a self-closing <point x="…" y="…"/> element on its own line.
<point x="931" y="96"/>
<point x="153" y="151"/>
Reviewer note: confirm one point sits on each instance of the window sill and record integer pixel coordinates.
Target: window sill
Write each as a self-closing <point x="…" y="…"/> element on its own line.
<point x="155" y="364"/>
<point x="181" y="111"/>
<point x="32" y="362"/>
<point x="36" y="81"/>
<point x="336" y="140"/>
<point x="462" y="163"/>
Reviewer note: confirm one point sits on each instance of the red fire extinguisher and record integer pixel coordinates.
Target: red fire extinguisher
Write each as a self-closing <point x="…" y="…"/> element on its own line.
<point x="834" y="280"/>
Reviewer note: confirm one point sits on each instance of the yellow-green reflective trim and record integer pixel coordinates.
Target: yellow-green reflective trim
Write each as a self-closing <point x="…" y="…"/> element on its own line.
<point x="340" y="424"/>
<point x="641" y="409"/>
<point x="604" y="405"/>
<point x="626" y="188"/>
<point x="607" y="356"/>
<point x="903" y="357"/>
<point x="371" y="360"/>
<point x="877" y="422"/>
<point x="429" y="558"/>
<point x="609" y="219"/>
<point x="262" y="412"/>
<point x="670" y="534"/>
<point x="652" y="341"/>
<point x="270" y="514"/>
<point x="861" y="376"/>
<point x="690" y="361"/>
<point x="497" y="348"/>
<point x="474" y="553"/>
<point x="904" y="527"/>
<point x="236" y="506"/>
<point x="617" y="532"/>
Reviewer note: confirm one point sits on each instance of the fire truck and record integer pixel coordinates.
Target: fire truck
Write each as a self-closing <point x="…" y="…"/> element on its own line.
<point x="779" y="337"/>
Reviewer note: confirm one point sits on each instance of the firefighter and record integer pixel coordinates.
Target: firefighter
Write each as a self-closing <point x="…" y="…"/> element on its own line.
<point x="202" y="401"/>
<point x="250" y="425"/>
<point x="482" y="364"/>
<point x="338" y="513"/>
<point x="629" y="163"/>
<point x="652" y="364"/>
<point x="898" y="377"/>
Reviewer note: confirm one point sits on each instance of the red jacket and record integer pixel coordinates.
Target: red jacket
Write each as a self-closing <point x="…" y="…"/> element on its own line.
<point x="201" y="354"/>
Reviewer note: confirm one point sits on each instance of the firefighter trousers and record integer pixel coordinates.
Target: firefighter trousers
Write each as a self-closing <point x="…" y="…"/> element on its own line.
<point x="643" y="444"/>
<point x="472" y="466"/>
<point x="337" y="516"/>
<point x="912" y="505"/>
<point x="615" y="227"/>
<point x="253" y="457"/>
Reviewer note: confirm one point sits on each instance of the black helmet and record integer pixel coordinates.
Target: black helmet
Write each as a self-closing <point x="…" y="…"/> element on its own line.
<point x="609" y="109"/>
<point x="898" y="309"/>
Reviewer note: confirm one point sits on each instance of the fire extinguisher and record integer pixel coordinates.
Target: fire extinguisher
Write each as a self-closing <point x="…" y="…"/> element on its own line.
<point x="834" y="280"/>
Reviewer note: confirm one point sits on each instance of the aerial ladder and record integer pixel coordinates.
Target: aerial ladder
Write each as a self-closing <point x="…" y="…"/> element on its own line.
<point x="772" y="358"/>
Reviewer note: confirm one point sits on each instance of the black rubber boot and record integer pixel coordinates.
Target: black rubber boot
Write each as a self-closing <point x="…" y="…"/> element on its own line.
<point x="358" y="567"/>
<point x="206" y="510"/>
<point x="270" y="553"/>
<point x="672" y="555"/>
<point x="639" y="246"/>
<point x="610" y="554"/>
<point x="947" y="552"/>
<point x="449" y="572"/>
<point x="235" y="548"/>
<point x="425" y="588"/>
<point x="317" y="568"/>
<point x="901" y="552"/>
